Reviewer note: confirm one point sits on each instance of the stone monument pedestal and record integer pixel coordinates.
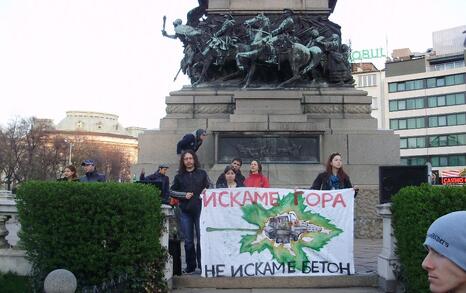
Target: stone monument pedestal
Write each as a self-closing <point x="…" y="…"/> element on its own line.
<point x="292" y="132"/>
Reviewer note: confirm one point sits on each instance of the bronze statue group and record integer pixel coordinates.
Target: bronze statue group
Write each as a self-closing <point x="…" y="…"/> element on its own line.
<point x="277" y="50"/>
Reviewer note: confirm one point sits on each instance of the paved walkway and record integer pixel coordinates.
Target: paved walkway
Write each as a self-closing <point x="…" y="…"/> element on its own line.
<point x="365" y="255"/>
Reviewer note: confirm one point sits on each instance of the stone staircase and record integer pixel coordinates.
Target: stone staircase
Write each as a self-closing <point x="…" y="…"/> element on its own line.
<point x="364" y="281"/>
<point x="196" y="283"/>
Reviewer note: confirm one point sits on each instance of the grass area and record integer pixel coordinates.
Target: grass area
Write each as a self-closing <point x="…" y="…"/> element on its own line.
<point x="11" y="283"/>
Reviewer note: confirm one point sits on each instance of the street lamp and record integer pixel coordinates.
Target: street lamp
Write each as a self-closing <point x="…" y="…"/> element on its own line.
<point x="71" y="148"/>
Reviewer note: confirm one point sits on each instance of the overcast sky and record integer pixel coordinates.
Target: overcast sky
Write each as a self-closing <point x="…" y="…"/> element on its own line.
<point x="109" y="55"/>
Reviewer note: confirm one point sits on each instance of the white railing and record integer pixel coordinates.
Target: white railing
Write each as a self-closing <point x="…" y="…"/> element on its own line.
<point x="12" y="258"/>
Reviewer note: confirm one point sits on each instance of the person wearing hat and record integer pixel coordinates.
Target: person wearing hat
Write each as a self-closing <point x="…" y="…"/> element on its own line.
<point x="191" y="141"/>
<point x="160" y="176"/>
<point x="445" y="262"/>
<point x="91" y="173"/>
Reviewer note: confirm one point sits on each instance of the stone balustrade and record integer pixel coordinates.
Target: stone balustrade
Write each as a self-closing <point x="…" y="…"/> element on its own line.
<point x="12" y="257"/>
<point x="387" y="261"/>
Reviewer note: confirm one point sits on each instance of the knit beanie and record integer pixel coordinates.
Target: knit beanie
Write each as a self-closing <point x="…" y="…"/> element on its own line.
<point x="199" y="132"/>
<point x="447" y="236"/>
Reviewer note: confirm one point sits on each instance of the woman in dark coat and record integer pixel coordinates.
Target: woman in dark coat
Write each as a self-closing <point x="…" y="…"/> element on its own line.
<point x="230" y="179"/>
<point x="334" y="176"/>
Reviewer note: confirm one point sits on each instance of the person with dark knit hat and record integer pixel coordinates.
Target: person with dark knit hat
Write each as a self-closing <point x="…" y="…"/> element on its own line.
<point x="445" y="262"/>
<point x="191" y="141"/>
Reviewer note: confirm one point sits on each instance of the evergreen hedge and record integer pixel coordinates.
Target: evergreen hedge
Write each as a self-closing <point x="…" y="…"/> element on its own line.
<point x="98" y="231"/>
<point x="414" y="209"/>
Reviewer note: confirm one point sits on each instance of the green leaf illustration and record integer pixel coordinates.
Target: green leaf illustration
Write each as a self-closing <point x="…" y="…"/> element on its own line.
<point x="286" y="244"/>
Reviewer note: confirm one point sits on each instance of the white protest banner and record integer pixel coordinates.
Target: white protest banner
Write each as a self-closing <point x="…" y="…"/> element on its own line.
<point x="254" y="232"/>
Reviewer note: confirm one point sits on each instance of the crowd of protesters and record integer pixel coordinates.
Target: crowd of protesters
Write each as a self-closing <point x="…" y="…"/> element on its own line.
<point x="190" y="182"/>
<point x="445" y="264"/>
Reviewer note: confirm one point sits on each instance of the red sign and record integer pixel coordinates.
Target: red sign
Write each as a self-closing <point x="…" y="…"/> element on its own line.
<point x="453" y="180"/>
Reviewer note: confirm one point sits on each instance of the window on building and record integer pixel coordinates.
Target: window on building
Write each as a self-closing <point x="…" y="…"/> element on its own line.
<point x="433" y="121"/>
<point x="461" y="118"/>
<point x="440" y="81"/>
<point x="393" y="106"/>
<point x="402" y="105"/>
<point x="443" y="161"/>
<point x="419" y="103"/>
<point x="403" y="143"/>
<point x="402" y="124"/>
<point x="421" y="122"/>
<point x="418" y="84"/>
<point x="441" y="101"/>
<point x="431" y="82"/>
<point x="459" y="78"/>
<point x="412" y="123"/>
<point x="461" y="138"/>
<point x="400" y="87"/>
<point x="411" y="104"/>
<point x="450" y="99"/>
<point x="459" y="99"/>
<point x="450" y="80"/>
<point x="451" y="119"/>
<point x="442" y="120"/>
<point x="442" y="140"/>
<point x="393" y="124"/>
<point x="432" y="102"/>
<point x="392" y="87"/>
<point x="367" y="80"/>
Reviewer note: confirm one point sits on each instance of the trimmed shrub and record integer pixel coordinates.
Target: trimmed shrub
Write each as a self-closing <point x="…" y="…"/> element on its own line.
<point x="414" y="209"/>
<point x="98" y="231"/>
<point x="11" y="283"/>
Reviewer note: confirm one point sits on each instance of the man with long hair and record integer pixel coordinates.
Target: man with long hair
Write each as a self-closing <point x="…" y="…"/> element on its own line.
<point x="187" y="186"/>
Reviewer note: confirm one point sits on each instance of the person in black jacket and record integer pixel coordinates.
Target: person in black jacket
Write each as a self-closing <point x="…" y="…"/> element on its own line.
<point x="187" y="186"/>
<point x="191" y="141"/>
<point x="236" y="166"/>
<point x="159" y="176"/>
<point x="229" y="174"/>
<point x="334" y="176"/>
<point x="91" y="173"/>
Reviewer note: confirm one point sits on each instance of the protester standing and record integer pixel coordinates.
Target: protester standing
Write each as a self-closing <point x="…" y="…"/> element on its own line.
<point x="69" y="174"/>
<point x="191" y="141"/>
<point x="445" y="262"/>
<point x="236" y="166"/>
<point x="187" y="186"/>
<point x="160" y="176"/>
<point x="91" y="172"/>
<point x="255" y="178"/>
<point x="334" y="176"/>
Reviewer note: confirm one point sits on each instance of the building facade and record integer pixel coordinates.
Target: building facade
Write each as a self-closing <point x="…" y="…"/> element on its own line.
<point x="367" y="77"/>
<point x="425" y="99"/>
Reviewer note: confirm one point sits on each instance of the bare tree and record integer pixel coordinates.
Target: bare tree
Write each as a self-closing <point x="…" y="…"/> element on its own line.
<point x="30" y="150"/>
<point x="27" y="153"/>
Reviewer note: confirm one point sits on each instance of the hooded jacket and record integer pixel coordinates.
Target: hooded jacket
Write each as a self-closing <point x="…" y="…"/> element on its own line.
<point x="190" y="141"/>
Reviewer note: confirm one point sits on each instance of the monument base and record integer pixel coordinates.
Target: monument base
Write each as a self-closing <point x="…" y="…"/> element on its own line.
<point x="291" y="131"/>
